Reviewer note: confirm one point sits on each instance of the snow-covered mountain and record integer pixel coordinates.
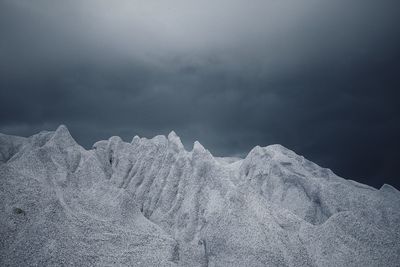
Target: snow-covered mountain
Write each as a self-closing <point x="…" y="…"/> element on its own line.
<point x="152" y="203"/>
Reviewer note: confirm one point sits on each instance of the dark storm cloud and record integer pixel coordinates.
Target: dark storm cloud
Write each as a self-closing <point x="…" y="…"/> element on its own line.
<point x="319" y="77"/>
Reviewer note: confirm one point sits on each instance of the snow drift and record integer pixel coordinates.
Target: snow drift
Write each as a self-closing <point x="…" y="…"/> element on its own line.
<point x="152" y="203"/>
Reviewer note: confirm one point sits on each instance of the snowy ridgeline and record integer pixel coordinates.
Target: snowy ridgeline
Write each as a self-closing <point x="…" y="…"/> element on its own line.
<point x="152" y="203"/>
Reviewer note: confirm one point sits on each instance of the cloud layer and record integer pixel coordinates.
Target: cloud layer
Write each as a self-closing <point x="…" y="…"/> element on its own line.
<point x="320" y="77"/>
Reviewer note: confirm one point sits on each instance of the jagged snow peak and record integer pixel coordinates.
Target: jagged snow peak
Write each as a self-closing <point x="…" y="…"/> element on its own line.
<point x="150" y="202"/>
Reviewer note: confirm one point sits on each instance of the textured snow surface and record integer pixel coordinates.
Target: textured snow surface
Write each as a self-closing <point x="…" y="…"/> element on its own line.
<point x="152" y="203"/>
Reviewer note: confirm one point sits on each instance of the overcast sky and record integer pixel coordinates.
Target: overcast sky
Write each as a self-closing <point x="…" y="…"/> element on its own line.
<point x="321" y="77"/>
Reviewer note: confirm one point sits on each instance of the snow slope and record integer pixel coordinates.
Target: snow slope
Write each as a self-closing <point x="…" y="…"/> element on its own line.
<point x="152" y="203"/>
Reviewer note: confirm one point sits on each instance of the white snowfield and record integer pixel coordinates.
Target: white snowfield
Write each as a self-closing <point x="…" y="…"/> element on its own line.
<point x="152" y="203"/>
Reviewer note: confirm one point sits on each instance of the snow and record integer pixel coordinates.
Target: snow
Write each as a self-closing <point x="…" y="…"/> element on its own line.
<point x="152" y="203"/>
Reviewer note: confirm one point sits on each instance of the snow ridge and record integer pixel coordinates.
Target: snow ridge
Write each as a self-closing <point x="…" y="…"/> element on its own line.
<point x="150" y="202"/>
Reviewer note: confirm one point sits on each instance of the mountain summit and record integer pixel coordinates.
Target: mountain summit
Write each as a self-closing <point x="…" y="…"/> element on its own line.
<point x="152" y="203"/>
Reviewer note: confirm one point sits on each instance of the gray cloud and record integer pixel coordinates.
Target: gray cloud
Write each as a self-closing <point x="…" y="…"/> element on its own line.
<point x="319" y="77"/>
